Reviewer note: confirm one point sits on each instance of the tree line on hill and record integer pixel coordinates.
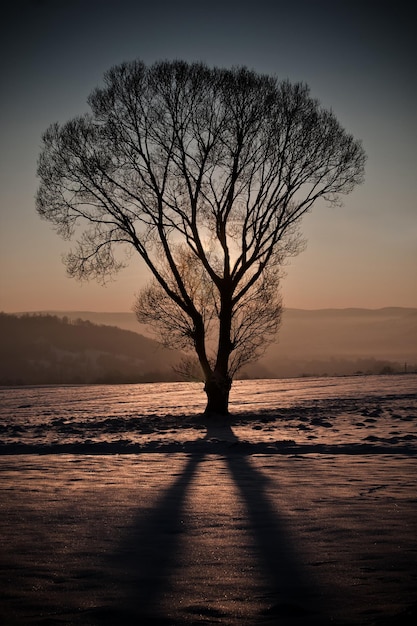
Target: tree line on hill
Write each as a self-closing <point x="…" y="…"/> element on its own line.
<point x="51" y="349"/>
<point x="46" y="349"/>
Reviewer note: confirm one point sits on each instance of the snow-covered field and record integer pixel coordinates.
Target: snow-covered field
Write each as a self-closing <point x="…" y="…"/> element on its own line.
<point x="124" y="505"/>
<point x="371" y="410"/>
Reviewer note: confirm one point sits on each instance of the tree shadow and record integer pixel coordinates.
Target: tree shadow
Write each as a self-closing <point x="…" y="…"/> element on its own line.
<point x="218" y="429"/>
<point x="148" y="559"/>
<point x="141" y="568"/>
<point x="291" y="595"/>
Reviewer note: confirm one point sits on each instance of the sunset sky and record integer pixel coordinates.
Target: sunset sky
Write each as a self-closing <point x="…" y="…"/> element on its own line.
<point x="358" y="58"/>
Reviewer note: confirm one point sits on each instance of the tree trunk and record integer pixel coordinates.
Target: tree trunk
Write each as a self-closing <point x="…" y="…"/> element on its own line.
<point x="217" y="388"/>
<point x="219" y="382"/>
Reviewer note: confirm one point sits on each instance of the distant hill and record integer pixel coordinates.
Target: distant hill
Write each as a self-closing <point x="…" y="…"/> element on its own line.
<point x="126" y="321"/>
<point x="388" y="333"/>
<point x="47" y="349"/>
<point x="342" y="341"/>
<point x="310" y="342"/>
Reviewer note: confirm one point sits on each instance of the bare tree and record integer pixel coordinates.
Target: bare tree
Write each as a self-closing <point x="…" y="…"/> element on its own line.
<point x="206" y="174"/>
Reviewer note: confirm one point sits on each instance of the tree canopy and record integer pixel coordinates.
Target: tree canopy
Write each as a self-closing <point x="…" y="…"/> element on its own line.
<point x="206" y="174"/>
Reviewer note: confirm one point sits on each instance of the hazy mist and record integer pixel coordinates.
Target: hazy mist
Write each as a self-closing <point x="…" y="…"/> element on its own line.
<point x="88" y="347"/>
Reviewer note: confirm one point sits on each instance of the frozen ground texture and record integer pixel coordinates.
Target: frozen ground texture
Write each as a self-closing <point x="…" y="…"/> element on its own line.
<point x="123" y="505"/>
<point x="355" y="412"/>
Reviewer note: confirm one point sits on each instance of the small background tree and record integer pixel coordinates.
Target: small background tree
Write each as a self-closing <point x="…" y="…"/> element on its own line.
<point x="206" y="174"/>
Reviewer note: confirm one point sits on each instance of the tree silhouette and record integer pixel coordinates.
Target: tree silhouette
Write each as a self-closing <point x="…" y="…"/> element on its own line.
<point x="206" y="174"/>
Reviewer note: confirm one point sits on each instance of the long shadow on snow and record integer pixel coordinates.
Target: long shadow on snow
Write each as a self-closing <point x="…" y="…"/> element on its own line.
<point x="291" y="596"/>
<point x="148" y="558"/>
<point x="142" y="566"/>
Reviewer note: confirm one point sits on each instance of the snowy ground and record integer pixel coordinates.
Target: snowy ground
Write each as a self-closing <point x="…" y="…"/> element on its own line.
<point x="267" y="415"/>
<point x="123" y="505"/>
